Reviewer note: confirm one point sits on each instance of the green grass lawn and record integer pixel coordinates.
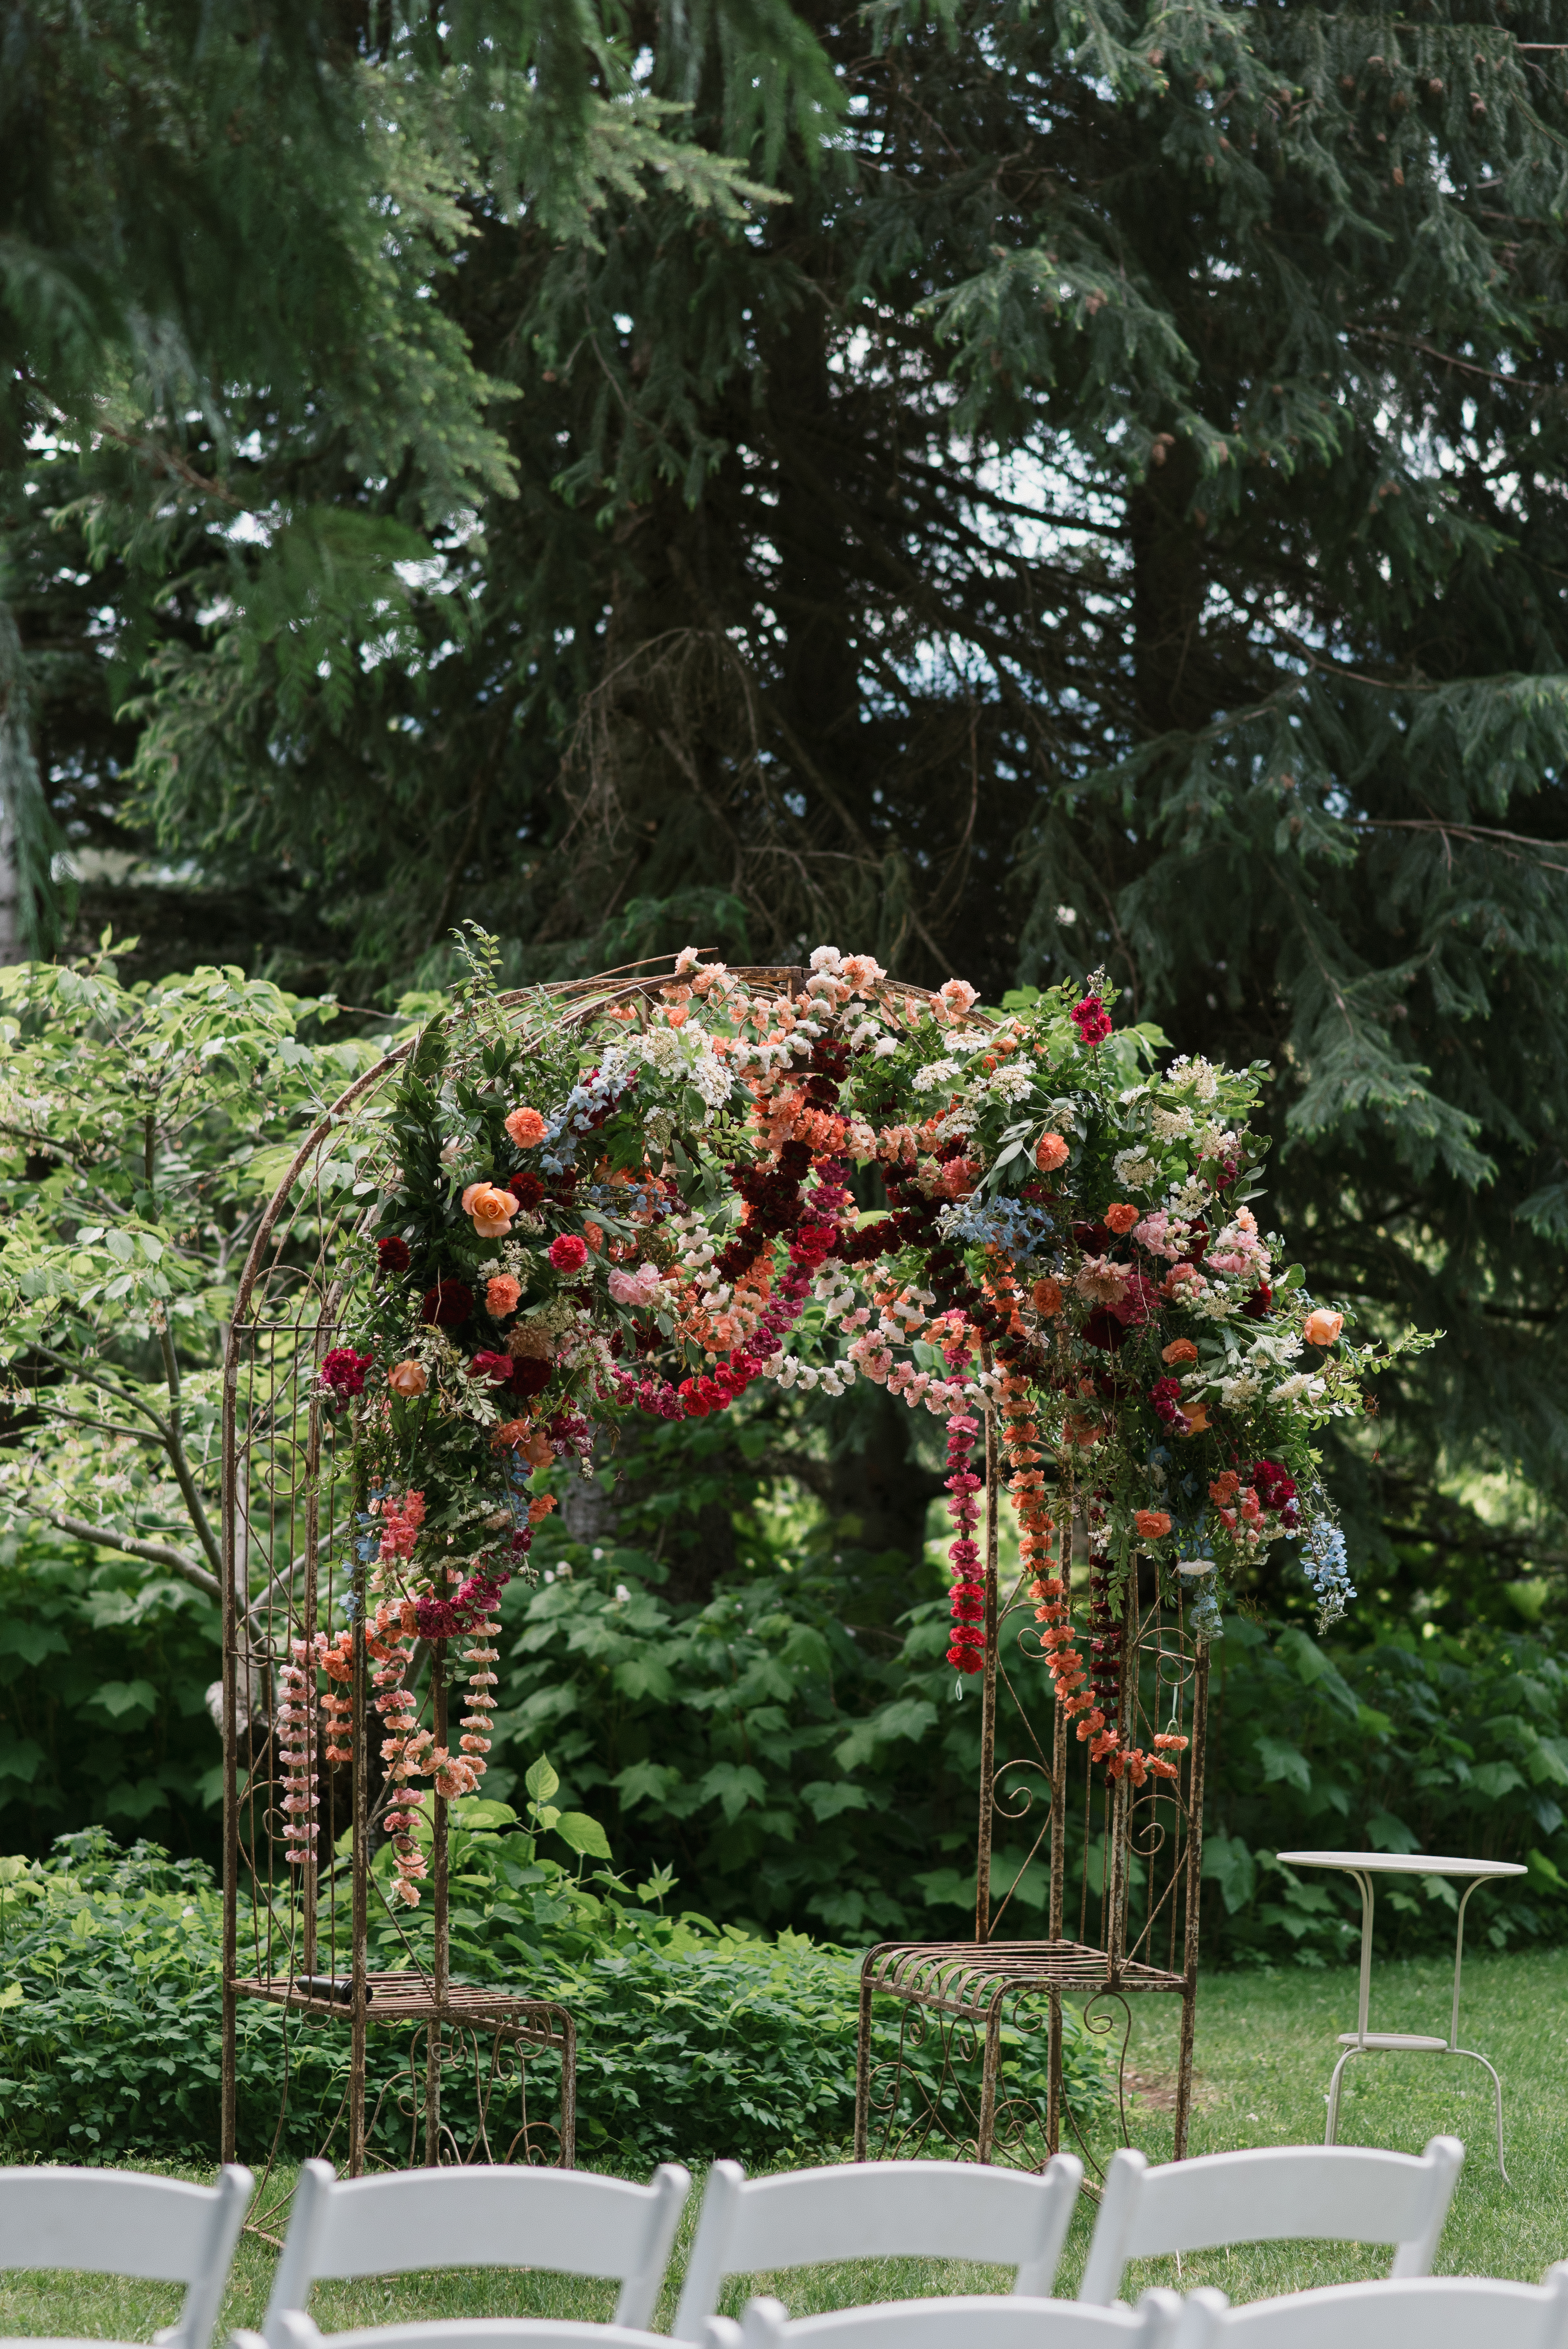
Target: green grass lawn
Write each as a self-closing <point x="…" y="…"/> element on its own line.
<point x="1265" y="2050"/>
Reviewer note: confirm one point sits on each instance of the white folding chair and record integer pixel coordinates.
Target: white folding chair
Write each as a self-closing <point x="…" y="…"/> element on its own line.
<point x="1414" y="2312"/>
<point x="967" y="2321"/>
<point x="1278" y="2193"/>
<point x="118" y="2222"/>
<point x="877" y="2210"/>
<point x="565" y="2219"/>
<point x="296" y="2331"/>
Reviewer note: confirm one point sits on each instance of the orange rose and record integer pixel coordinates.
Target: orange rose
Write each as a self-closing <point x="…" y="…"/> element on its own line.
<point x="527" y="1128"/>
<point x="408" y="1379"/>
<point x="1152" y="1524"/>
<point x="490" y="1209"/>
<point x="501" y="1295"/>
<point x="1121" y="1218"/>
<point x="1321" y="1328"/>
<point x="1180" y="1349"/>
<point x="1050" y="1152"/>
<point x="1197" y="1417"/>
<point x="1047" y="1298"/>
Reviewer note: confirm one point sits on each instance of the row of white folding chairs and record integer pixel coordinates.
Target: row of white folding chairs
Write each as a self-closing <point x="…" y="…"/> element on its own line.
<point x="933" y="2209"/>
<point x="1406" y="2313"/>
<point x="576" y="2223"/>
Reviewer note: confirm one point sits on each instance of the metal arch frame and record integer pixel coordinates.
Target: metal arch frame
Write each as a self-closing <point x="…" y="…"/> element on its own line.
<point x="434" y="2004"/>
<point x="956" y="1998"/>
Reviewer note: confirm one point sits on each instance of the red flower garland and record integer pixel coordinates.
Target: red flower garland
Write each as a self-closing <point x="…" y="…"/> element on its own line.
<point x="968" y="1604"/>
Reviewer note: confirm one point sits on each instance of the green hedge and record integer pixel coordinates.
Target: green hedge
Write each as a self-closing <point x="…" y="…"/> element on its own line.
<point x="693" y="2042"/>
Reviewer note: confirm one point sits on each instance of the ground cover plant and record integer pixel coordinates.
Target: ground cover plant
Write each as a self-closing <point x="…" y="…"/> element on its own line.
<point x="693" y="2042"/>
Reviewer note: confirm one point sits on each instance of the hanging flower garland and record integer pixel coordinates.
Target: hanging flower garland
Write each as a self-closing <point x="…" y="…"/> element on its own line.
<point x="655" y="1202"/>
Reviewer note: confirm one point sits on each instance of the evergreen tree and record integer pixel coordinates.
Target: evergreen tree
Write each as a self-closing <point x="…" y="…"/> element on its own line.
<point x="1110" y="513"/>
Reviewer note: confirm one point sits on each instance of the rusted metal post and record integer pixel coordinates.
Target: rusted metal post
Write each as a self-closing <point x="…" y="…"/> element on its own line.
<point x="441" y="1917"/>
<point x="361" y="1873"/>
<point x="989" y="1677"/>
<point x="1058" y="1834"/>
<point x="1194" y="1879"/>
<point x="230" y="1609"/>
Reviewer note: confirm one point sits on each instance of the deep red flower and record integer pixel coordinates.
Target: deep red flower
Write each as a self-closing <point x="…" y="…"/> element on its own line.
<point x="530" y="1375"/>
<point x="526" y="1188"/>
<point x="344" y="1370"/>
<point x="393" y="1255"/>
<point x="567" y="1253"/>
<point x="497" y="1368"/>
<point x="447" y="1304"/>
<point x="1274" y="1486"/>
<point x="1091" y="1019"/>
<point x="1259" y="1303"/>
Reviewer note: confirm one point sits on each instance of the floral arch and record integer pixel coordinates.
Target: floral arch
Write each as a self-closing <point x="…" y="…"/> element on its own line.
<point x="553" y="1209"/>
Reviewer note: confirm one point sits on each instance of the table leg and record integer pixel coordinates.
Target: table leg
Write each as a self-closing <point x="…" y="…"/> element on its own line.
<point x="1497" y="2091"/>
<point x="1365" y="1882"/>
<point x="1331" y="2130"/>
<point x="1459" y="1958"/>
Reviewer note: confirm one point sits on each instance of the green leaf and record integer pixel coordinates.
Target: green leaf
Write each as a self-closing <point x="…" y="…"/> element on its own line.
<point x="541" y="1780"/>
<point x="584" y="1835"/>
<point x="1281" y="1760"/>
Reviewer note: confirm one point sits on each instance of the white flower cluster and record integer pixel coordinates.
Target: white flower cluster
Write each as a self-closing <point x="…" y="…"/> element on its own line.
<point x="1195" y="1076"/>
<point x="1135" y="1170"/>
<point x="1011" y="1084"/>
<point x="1171" y="1124"/>
<point x="939" y="1072"/>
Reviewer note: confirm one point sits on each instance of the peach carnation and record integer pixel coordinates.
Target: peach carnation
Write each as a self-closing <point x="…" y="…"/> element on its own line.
<point x="1047" y="1298"/>
<point x="1050" y="1152"/>
<point x="1152" y="1524"/>
<point x="501" y="1295"/>
<point x="1180" y="1349"/>
<point x="1121" y="1218"/>
<point x="527" y="1128"/>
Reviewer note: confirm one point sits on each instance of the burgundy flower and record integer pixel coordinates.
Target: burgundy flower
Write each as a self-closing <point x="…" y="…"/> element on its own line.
<point x="1104" y="1328"/>
<point x="344" y="1370"/>
<point x="1274" y="1486"/>
<point x="393" y="1255"/>
<point x="447" y="1304"/>
<point x="497" y="1368"/>
<point x="1259" y="1303"/>
<point x="526" y="1188"/>
<point x="1091" y="1019"/>
<point x="530" y="1375"/>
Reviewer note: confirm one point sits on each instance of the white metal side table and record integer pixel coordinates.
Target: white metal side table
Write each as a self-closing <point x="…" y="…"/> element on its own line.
<point x="1364" y="1865"/>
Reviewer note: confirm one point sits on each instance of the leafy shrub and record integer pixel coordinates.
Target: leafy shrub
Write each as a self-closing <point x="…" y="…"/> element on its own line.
<point x="692" y="2040"/>
<point x="1419" y="1742"/>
